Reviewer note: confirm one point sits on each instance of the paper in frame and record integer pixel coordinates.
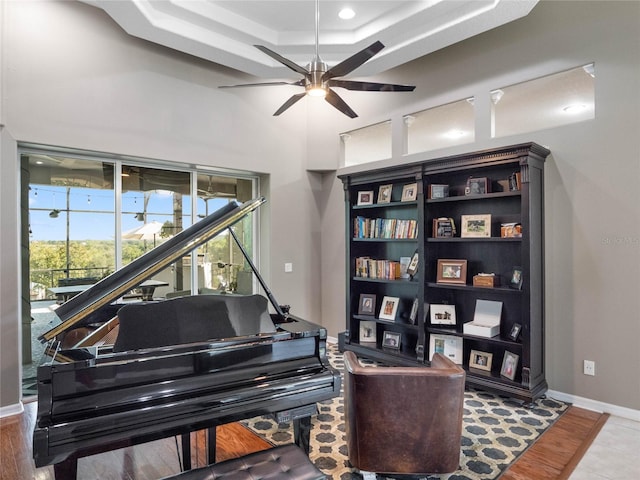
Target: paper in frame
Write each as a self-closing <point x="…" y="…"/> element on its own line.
<point x="365" y="197"/>
<point x="389" y="308"/>
<point x="367" y="304"/>
<point x="509" y="365"/>
<point x="409" y="192"/>
<point x="452" y="271"/>
<point x="475" y="226"/>
<point x="480" y="360"/>
<point x="384" y="193"/>
<point x="448" y="345"/>
<point x="391" y="340"/>
<point x="442" y="314"/>
<point x="367" y="331"/>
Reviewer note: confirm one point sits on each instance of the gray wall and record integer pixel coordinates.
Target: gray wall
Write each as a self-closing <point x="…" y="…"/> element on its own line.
<point x="591" y="193"/>
<point x="71" y="77"/>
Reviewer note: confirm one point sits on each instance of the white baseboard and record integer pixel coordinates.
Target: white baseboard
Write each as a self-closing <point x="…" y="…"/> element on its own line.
<point x="331" y="339"/>
<point x="596" y="406"/>
<point x="11" y="410"/>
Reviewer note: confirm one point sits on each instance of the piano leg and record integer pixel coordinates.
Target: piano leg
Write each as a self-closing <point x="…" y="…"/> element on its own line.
<point x="302" y="432"/>
<point x="186" y="451"/>
<point x="66" y="470"/>
<point x="211" y="445"/>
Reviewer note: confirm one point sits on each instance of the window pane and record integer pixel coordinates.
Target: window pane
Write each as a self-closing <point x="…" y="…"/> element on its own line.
<point x="71" y="220"/>
<point x="367" y="144"/>
<point x="440" y="127"/>
<point x="547" y="102"/>
<point x="221" y="265"/>
<point x="153" y="203"/>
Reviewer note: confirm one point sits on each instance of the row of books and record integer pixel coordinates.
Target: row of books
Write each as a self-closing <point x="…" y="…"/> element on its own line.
<point x="384" y="228"/>
<point x="367" y="267"/>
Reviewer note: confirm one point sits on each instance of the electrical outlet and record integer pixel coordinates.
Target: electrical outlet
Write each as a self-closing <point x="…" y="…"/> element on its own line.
<point x="288" y="267"/>
<point x="589" y="367"/>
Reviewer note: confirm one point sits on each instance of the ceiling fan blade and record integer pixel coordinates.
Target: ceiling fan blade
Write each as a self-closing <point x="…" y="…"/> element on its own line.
<point x="371" y="86"/>
<point x="334" y="99"/>
<point x="353" y="62"/>
<point x="289" y="102"/>
<point x="263" y="84"/>
<point x="285" y="61"/>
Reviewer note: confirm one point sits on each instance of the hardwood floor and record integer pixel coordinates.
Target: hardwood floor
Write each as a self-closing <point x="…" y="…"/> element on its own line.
<point x="553" y="456"/>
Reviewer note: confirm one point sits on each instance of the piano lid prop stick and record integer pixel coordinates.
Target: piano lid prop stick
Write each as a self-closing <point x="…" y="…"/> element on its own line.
<point x="260" y="279"/>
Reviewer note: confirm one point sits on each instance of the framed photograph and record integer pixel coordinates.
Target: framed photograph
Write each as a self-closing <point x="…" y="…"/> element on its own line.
<point x="452" y="271"/>
<point x="509" y="365"/>
<point x="515" y="279"/>
<point x="412" y="269"/>
<point x="391" y="340"/>
<point x="515" y="332"/>
<point x="389" y="308"/>
<point x="409" y="192"/>
<point x="477" y="186"/>
<point x="368" y="331"/>
<point x="480" y="360"/>
<point x="365" y="198"/>
<point x="475" y="226"/>
<point x="438" y="191"/>
<point x="442" y="314"/>
<point x="443" y="228"/>
<point x="413" y="315"/>
<point x="367" y="304"/>
<point x="448" y="345"/>
<point x="384" y="194"/>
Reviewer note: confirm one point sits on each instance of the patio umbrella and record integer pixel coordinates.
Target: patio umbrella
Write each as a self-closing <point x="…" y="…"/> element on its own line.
<point x="148" y="231"/>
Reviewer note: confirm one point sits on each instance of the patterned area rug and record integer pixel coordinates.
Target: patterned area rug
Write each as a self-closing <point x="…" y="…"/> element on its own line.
<point x="495" y="432"/>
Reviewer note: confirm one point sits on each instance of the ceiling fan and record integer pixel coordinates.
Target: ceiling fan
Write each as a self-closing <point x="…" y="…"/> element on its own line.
<point x="318" y="78"/>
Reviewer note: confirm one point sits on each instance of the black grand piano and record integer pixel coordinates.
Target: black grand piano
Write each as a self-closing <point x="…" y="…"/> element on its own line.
<point x="156" y="369"/>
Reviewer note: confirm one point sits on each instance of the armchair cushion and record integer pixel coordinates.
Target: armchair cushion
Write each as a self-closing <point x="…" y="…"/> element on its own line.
<point x="404" y="420"/>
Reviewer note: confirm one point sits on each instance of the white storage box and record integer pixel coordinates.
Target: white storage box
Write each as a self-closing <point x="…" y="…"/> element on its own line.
<point x="486" y="319"/>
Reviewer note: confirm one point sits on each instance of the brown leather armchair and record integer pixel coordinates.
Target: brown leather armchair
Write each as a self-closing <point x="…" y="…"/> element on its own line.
<point x="404" y="420"/>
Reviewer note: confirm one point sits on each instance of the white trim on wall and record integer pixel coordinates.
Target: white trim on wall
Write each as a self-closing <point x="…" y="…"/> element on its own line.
<point x="596" y="406"/>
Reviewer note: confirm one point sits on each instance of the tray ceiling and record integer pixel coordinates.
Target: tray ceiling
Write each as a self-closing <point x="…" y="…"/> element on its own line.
<point x="224" y="32"/>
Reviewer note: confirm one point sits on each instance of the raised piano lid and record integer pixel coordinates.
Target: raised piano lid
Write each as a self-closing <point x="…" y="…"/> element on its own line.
<point x="114" y="286"/>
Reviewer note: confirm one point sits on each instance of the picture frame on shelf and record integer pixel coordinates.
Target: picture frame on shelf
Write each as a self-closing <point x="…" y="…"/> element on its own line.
<point x="475" y="226"/>
<point x="368" y="332"/>
<point x="448" y="345"/>
<point x="384" y="193"/>
<point x="452" y="271"/>
<point x="477" y="186"/>
<point x="413" y="314"/>
<point x="515" y="278"/>
<point x="443" y="227"/>
<point x="509" y="365"/>
<point x="437" y="190"/>
<point x="412" y="269"/>
<point x="365" y="197"/>
<point x="389" y="308"/>
<point x="515" y="332"/>
<point x="367" y="304"/>
<point x="442" y="314"/>
<point x="409" y="192"/>
<point x="391" y="340"/>
<point x="404" y="266"/>
<point x="480" y="360"/>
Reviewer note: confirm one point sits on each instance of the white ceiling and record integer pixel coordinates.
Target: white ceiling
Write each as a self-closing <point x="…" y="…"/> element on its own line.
<point x="224" y="32"/>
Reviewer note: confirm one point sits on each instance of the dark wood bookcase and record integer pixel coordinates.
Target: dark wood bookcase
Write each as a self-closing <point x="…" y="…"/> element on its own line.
<point x="513" y="194"/>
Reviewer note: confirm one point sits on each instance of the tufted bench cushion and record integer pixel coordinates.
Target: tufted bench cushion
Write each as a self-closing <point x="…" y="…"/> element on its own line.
<point x="286" y="462"/>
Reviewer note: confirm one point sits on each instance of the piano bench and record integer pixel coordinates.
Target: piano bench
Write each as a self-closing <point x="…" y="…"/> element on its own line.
<point x="286" y="462"/>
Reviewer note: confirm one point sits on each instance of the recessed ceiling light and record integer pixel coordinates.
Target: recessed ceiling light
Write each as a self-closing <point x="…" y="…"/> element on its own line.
<point x="346" y="13"/>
